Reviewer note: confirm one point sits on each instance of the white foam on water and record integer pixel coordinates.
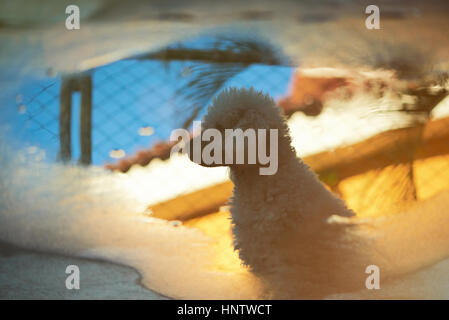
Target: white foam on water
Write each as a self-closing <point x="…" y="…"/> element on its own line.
<point x="89" y="212"/>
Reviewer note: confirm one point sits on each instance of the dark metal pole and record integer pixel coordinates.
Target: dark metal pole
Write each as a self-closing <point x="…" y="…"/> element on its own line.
<point x="85" y="85"/>
<point x="65" y="117"/>
<point x="70" y="84"/>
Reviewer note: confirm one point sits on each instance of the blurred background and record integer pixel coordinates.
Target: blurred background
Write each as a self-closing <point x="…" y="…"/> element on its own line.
<point x="359" y="101"/>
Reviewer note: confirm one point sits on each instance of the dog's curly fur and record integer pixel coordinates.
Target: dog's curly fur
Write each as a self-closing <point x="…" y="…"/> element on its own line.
<point x="280" y="221"/>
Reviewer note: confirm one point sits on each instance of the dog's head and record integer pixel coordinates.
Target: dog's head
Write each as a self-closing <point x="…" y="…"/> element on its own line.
<point x="244" y="114"/>
<point x="242" y="109"/>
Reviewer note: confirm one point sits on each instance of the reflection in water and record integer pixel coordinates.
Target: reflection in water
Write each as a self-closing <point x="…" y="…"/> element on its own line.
<point x="89" y="213"/>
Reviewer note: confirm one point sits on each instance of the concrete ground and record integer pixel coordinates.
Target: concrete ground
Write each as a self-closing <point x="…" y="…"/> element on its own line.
<point x="26" y="274"/>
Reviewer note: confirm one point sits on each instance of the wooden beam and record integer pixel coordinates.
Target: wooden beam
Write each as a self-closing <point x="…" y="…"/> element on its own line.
<point x="193" y="204"/>
<point x="212" y="55"/>
<point x="384" y="149"/>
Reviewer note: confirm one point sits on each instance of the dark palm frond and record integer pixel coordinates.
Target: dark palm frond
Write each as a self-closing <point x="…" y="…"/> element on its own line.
<point x="232" y="56"/>
<point x="409" y="62"/>
<point x="207" y="80"/>
<point x="416" y="66"/>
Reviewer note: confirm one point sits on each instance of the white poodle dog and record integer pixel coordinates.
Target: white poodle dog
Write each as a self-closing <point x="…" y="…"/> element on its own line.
<point x="281" y="224"/>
